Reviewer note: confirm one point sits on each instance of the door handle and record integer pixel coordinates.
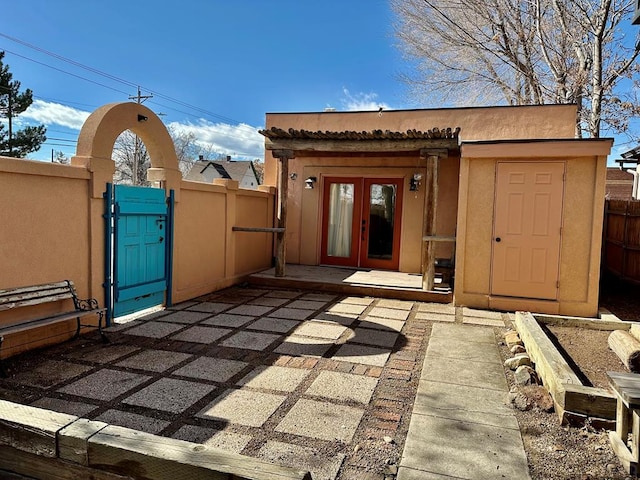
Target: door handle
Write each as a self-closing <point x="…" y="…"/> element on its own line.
<point x="161" y="239"/>
<point x="498" y="239"/>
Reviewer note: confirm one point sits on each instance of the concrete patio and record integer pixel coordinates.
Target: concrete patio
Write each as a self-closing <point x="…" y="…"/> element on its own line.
<point x="318" y="381"/>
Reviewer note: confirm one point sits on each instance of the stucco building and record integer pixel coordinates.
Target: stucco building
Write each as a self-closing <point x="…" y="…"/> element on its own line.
<point x="508" y="193"/>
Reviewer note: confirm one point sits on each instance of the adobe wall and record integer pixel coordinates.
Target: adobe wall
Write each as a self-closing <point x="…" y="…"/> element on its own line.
<point x="52" y="225"/>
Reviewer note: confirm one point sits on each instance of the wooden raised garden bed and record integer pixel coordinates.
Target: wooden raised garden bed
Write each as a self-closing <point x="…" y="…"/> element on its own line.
<point x="574" y="401"/>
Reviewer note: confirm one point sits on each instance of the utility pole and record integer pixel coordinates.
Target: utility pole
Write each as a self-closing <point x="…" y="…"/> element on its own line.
<point x="139" y="98"/>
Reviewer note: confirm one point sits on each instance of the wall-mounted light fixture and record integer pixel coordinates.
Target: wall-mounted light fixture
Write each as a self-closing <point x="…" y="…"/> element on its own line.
<point x="308" y="183"/>
<point x="293" y="176"/>
<point x="142" y="118"/>
<point x="414" y="182"/>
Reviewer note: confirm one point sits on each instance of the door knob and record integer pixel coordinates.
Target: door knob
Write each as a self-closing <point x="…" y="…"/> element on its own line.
<point x="498" y="239"/>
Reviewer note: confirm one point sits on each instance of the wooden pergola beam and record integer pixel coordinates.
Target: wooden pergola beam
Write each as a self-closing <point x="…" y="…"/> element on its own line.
<point x="360" y="146"/>
<point x="283" y="156"/>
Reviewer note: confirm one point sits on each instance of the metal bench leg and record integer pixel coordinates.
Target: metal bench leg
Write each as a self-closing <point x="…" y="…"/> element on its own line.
<point x="102" y="335"/>
<point x="3" y="372"/>
<point x="77" y="328"/>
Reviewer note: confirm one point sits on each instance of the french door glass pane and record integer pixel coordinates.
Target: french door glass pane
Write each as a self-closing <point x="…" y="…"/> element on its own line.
<point x="382" y="209"/>
<point x="340" y="219"/>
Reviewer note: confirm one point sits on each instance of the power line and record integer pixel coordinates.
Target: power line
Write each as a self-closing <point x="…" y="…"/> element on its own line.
<point x="65" y="72"/>
<point x="117" y="79"/>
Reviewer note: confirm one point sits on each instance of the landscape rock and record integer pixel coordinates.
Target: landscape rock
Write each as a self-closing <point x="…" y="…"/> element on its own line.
<point x="539" y="397"/>
<point x="518" y="360"/>
<point x="516" y="349"/>
<point x="512" y="338"/>
<point x="525" y="375"/>
<point x="519" y="401"/>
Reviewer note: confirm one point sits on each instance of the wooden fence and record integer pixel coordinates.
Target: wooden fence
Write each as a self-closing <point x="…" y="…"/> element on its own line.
<point x="621" y="239"/>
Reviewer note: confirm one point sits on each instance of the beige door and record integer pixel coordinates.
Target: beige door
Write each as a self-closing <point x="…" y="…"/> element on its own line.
<point x="527" y="228"/>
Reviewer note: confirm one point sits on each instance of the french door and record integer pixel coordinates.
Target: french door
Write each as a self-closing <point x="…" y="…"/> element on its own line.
<point x="361" y="222"/>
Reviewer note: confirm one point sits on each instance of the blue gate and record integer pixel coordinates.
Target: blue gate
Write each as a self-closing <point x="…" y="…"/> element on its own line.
<point x="141" y="235"/>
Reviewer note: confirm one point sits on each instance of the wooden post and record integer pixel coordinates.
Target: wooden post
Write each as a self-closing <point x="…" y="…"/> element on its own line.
<point x="430" y="216"/>
<point x="283" y="157"/>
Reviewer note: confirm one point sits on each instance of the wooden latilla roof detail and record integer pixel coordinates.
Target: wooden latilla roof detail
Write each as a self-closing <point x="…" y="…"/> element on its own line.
<point x="364" y="141"/>
<point x="446" y="133"/>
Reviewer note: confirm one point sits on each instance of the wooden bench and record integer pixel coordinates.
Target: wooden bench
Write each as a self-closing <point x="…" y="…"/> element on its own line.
<point x="626" y="387"/>
<point x="47" y="293"/>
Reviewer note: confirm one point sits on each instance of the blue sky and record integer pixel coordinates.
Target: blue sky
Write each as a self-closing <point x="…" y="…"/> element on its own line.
<point x="215" y="67"/>
<point x="234" y="60"/>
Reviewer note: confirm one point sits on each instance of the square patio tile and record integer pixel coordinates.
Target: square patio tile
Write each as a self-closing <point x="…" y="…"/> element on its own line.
<point x="397" y="304"/>
<point x="445" y="308"/>
<point x="279" y="325"/>
<point x="252" y="310"/>
<point x="213" y="369"/>
<point x="343" y="386"/>
<point x="169" y="395"/>
<point x="269" y="301"/>
<point x="78" y="409"/>
<point x="321" y="467"/>
<point x="250" y="340"/>
<point x="366" y="301"/>
<point x="379" y="338"/>
<point x="343" y="307"/>
<point x="247" y="292"/>
<point x="303" y="346"/>
<point x="436" y="317"/>
<point x="281" y="379"/>
<point x="120" y="326"/>
<point x="154" y="329"/>
<point x="227" y="320"/>
<point x="243" y="407"/>
<point x="378" y="323"/>
<point x="154" y="360"/>
<point x="210" y="307"/>
<point x="50" y="373"/>
<point x="183" y="316"/>
<point x="283" y="294"/>
<point x="228" y="441"/>
<point x="345" y="319"/>
<point x="105" y="384"/>
<point x="182" y="305"/>
<point x="291" y="313"/>
<point x="103" y="353"/>
<point x="471" y="312"/>
<point x="326" y="330"/>
<point x="389" y="313"/>
<point x="132" y="420"/>
<point x="488" y="322"/>
<point x="200" y="334"/>
<point x="326" y="421"/>
<point x="319" y="297"/>
<point x="361" y="354"/>
<point x="307" y="304"/>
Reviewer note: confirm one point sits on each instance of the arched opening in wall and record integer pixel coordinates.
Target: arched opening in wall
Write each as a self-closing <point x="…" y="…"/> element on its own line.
<point x="140" y="231"/>
<point x="132" y="160"/>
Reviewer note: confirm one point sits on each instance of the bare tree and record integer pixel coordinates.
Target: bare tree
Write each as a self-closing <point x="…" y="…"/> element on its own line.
<point x="132" y="159"/>
<point x="523" y="52"/>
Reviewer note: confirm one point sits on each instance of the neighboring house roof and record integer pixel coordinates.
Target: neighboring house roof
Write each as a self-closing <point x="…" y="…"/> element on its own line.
<point x="224" y="169"/>
<point x="619" y="185"/>
<point x="275" y="132"/>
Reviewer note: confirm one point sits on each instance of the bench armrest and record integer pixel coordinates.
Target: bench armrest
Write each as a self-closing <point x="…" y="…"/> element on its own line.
<point x="87" y="304"/>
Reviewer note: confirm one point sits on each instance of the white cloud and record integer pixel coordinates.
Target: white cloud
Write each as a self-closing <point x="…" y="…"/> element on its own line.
<point x="238" y="140"/>
<point x="362" y="101"/>
<point x="51" y="113"/>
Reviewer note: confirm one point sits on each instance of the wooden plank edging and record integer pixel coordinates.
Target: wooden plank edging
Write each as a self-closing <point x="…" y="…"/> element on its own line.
<point x="571" y="398"/>
<point x="58" y="437"/>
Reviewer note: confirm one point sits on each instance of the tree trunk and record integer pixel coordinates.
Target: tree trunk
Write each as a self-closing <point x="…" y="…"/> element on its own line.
<point x="627" y="348"/>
